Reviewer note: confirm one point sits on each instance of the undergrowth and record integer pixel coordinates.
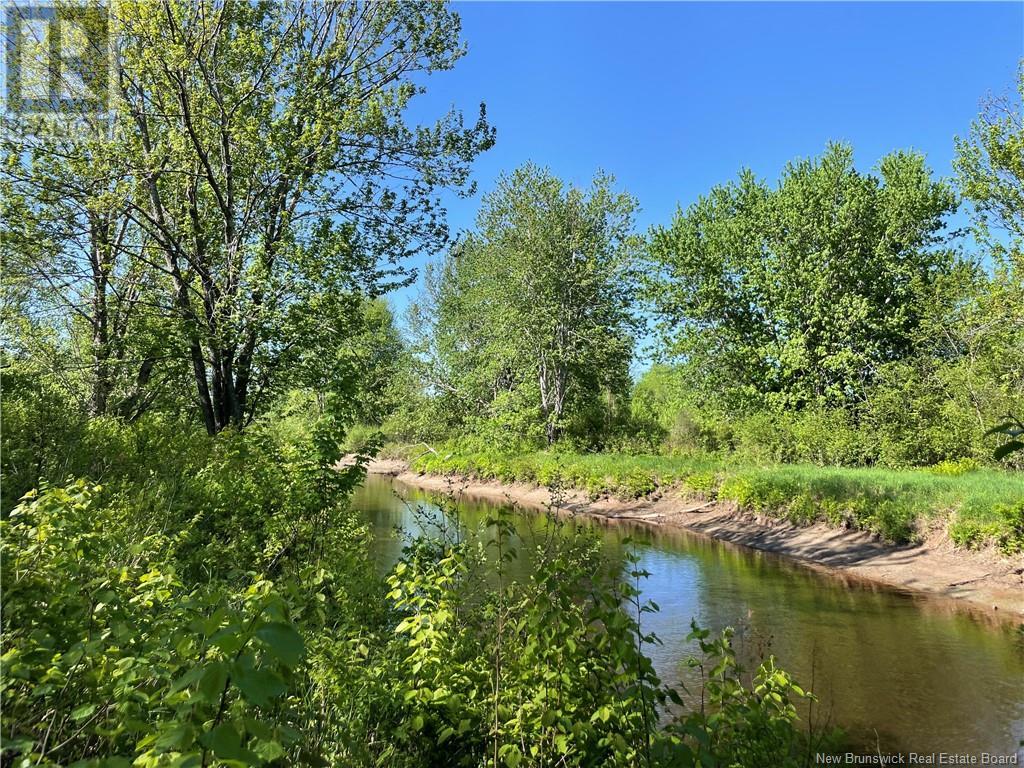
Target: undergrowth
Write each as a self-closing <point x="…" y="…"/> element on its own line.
<point x="980" y="506"/>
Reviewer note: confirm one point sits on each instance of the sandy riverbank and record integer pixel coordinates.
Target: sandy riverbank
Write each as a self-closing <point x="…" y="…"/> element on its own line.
<point x="986" y="580"/>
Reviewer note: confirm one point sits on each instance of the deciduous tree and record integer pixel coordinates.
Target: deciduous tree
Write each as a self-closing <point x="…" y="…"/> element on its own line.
<point x="535" y="306"/>
<point x="795" y="294"/>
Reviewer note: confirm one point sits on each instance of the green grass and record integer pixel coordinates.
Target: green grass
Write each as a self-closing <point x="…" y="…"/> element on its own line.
<point x="977" y="506"/>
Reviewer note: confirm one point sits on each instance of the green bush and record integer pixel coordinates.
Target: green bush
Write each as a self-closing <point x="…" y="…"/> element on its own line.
<point x="552" y="671"/>
<point x="635" y="484"/>
<point x="971" y="534"/>
<point x="753" y="725"/>
<point x="917" y="412"/>
<point x="161" y="638"/>
<point x="171" y="613"/>
<point x="955" y="467"/>
<point x="1011" y="534"/>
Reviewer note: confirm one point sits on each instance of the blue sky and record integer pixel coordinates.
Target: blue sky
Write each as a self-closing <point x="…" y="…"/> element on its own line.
<point x="673" y="98"/>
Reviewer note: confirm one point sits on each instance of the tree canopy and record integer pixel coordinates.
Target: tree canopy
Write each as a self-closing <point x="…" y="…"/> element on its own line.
<point x="796" y="293"/>
<point x="532" y="312"/>
<point x="259" y="167"/>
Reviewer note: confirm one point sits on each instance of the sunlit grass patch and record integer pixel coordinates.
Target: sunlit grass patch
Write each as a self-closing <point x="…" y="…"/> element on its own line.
<point x="979" y="506"/>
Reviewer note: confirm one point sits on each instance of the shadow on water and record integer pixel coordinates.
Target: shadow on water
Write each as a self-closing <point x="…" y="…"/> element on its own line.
<point x="897" y="672"/>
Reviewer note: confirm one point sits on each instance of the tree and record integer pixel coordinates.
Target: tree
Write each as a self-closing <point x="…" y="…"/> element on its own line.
<point x="261" y="154"/>
<point x="534" y="308"/>
<point x="989" y="165"/>
<point x="80" y="265"/>
<point x="380" y="363"/>
<point x="795" y="294"/>
<point x="990" y="169"/>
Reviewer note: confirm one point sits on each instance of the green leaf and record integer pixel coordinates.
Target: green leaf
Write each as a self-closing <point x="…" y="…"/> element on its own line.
<point x="187" y="679"/>
<point x="229" y="639"/>
<point x="225" y="741"/>
<point x="259" y="686"/>
<point x="513" y="757"/>
<point x="283" y="642"/>
<point x="83" y="712"/>
<point x="211" y="684"/>
<point x="269" y="750"/>
<point x="176" y="739"/>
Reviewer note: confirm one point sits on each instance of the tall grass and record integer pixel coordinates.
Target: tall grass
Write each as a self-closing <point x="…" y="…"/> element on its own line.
<point x="977" y="506"/>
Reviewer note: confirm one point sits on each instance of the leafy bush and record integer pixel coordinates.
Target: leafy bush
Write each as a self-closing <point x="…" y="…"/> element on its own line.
<point x="109" y="652"/>
<point x="41" y="427"/>
<point x="212" y="602"/>
<point x="1011" y="537"/>
<point x="955" y="468"/>
<point x="551" y="670"/>
<point x="753" y="726"/>
<point x="167" y="616"/>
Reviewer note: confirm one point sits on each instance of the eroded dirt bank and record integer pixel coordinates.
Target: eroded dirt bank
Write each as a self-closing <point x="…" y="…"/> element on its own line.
<point x="984" y="581"/>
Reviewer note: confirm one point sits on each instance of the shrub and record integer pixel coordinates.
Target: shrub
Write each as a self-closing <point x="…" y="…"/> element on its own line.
<point x="1011" y="536"/>
<point x="753" y="726"/>
<point x="635" y="484"/>
<point x="955" y="467"/>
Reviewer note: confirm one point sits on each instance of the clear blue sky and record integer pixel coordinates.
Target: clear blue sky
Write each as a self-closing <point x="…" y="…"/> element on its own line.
<point x="675" y="97"/>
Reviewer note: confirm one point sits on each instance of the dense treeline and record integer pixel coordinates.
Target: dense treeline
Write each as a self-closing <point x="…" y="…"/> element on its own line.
<point x="194" y="328"/>
<point x="852" y="318"/>
<point x="833" y="317"/>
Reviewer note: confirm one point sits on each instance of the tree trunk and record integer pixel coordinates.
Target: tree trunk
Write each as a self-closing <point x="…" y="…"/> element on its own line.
<point x="552" y="381"/>
<point x="99" y="258"/>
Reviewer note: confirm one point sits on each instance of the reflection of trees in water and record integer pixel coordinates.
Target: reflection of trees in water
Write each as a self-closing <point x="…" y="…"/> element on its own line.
<point x="933" y="678"/>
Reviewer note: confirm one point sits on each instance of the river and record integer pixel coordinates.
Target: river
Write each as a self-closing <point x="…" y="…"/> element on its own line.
<point x="899" y="672"/>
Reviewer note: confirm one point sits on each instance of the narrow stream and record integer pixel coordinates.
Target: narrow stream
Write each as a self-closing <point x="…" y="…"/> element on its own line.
<point x="899" y="672"/>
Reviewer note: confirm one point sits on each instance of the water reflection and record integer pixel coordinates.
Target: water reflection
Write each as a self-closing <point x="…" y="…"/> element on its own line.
<point x="897" y="672"/>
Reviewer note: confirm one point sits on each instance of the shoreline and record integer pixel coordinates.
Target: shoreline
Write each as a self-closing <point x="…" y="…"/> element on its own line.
<point x="984" y="580"/>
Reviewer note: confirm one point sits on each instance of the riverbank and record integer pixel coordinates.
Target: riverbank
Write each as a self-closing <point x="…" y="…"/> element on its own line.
<point x="985" y="579"/>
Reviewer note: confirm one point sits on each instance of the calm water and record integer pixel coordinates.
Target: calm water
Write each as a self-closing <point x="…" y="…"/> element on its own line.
<point x="895" y="670"/>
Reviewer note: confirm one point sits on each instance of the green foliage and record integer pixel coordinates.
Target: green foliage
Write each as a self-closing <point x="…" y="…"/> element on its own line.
<point x="528" y="320"/>
<point x="551" y="670"/>
<point x="163" y="618"/>
<point x="898" y="505"/>
<point x="1006" y="530"/>
<point x="737" y="725"/>
<point x="990" y="168"/>
<point x="523" y="673"/>
<point x="225" y="241"/>
<point x="381" y="368"/>
<point x="792" y="295"/>
<point x="919" y="412"/>
<point x="212" y="602"/>
<point x="989" y="164"/>
<point x="123" y="656"/>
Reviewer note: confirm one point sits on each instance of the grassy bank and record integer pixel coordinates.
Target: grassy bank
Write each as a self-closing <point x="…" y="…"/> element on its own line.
<point x="977" y="506"/>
